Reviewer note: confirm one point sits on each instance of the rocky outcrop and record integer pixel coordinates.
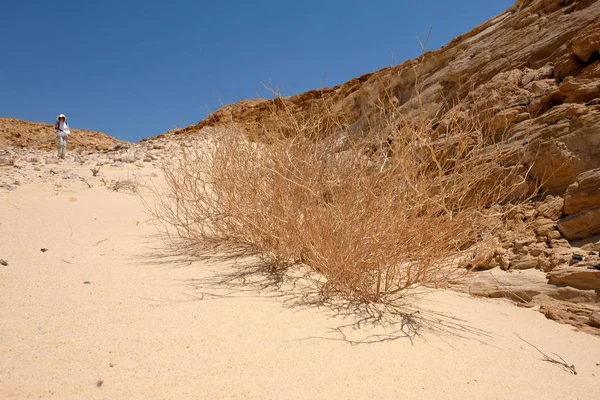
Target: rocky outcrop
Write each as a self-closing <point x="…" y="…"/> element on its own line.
<point x="32" y="135"/>
<point x="532" y="75"/>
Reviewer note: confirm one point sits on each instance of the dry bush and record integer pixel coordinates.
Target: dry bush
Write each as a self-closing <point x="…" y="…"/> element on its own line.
<point x="129" y="185"/>
<point x="376" y="212"/>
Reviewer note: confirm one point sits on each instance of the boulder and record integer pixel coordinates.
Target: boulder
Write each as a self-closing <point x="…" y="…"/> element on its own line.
<point x="554" y="235"/>
<point x="525" y="262"/>
<point x="543" y="226"/>
<point x="595" y="319"/>
<point x="584" y="193"/>
<point x="586" y="42"/>
<point x="581" y="225"/>
<point x="552" y="207"/>
<point x="578" y="276"/>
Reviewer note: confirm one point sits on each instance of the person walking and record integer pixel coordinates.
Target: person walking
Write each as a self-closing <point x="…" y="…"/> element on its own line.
<point x="62" y="133"/>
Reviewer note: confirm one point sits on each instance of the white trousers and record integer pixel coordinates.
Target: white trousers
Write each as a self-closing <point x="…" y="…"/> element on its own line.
<point x="62" y="144"/>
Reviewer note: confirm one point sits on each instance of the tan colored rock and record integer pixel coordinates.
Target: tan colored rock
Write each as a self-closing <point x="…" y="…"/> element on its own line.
<point x="522" y="286"/>
<point x="561" y="244"/>
<point x="554" y="235"/>
<point x="558" y="168"/>
<point x="579" y="90"/>
<point x="544" y="264"/>
<point x="575" y="276"/>
<point x="524" y="262"/>
<point x="552" y="207"/>
<point x="581" y="225"/>
<point x="595" y="319"/>
<point x="542" y="87"/>
<point x="506" y="118"/>
<point x="539" y="248"/>
<point x="522" y="244"/>
<point x="558" y="257"/>
<point x="586" y="42"/>
<point x="531" y="75"/>
<point x="582" y="316"/>
<point x="584" y="193"/>
<point x="543" y="226"/>
<point x="503" y="261"/>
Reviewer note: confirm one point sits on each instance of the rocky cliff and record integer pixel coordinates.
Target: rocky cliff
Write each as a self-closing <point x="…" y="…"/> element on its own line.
<point x="533" y="72"/>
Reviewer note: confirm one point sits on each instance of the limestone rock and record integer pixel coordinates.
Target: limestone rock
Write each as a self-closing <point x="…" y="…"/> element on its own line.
<point x="538" y="249"/>
<point x="554" y="235"/>
<point x="543" y="226"/>
<point x="581" y="225"/>
<point x="552" y="207"/>
<point x="580" y="315"/>
<point x="586" y="42"/>
<point x="542" y="87"/>
<point x="525" y="262"/>
<point x="595" y="319"/>
<point x="520" y="286"/>
<point x="584" y="193"/>
<point x="575" y="276"/>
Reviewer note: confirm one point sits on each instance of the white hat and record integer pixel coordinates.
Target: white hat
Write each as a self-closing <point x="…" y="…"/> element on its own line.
<point x="61" y="116"/>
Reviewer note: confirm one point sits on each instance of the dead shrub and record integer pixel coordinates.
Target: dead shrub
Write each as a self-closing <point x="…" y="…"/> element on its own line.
<point x="129" y="185"/>
<point x="395" y="208"/>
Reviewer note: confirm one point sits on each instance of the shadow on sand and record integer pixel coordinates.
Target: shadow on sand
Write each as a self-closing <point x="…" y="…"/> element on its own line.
<point x="228" y="272"/>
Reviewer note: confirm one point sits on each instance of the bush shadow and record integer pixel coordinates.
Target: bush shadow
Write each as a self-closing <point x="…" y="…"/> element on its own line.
<point x="234" y="272"/>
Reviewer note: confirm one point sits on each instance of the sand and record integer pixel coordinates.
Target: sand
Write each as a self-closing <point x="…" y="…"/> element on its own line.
<point x="110" y="311"/>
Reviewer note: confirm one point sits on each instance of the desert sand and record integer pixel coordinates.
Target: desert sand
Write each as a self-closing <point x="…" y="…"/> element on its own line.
<point x="95" y="305"/>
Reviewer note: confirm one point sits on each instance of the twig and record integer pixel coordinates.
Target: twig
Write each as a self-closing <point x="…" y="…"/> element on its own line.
<point x="100" y="241"/>
<point x="561" y="363"/>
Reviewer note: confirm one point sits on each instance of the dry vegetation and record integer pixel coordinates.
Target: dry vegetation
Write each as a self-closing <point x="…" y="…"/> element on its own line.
<point x="402" y="204"/>
<point x="127" y="185"/>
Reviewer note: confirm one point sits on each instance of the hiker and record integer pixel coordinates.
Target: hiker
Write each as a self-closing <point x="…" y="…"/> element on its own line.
<point x="62" y="132"/>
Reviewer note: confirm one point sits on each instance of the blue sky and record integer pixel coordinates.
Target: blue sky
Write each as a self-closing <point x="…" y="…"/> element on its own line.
<point x="135" y="69"/>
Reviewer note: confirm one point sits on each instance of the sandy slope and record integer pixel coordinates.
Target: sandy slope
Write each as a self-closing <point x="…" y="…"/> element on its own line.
<point x="149" y="326"/>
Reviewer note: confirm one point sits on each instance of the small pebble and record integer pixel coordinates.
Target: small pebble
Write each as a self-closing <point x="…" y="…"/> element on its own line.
<point x="3" y="262"/>
<point x="87" y="283"/>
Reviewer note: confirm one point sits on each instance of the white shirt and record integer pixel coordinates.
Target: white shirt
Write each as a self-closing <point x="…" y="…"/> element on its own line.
<point x="63" y="128"/>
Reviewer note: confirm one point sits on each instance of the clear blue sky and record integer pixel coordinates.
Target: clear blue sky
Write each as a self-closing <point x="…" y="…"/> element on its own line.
<point x="134" y="69"/>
